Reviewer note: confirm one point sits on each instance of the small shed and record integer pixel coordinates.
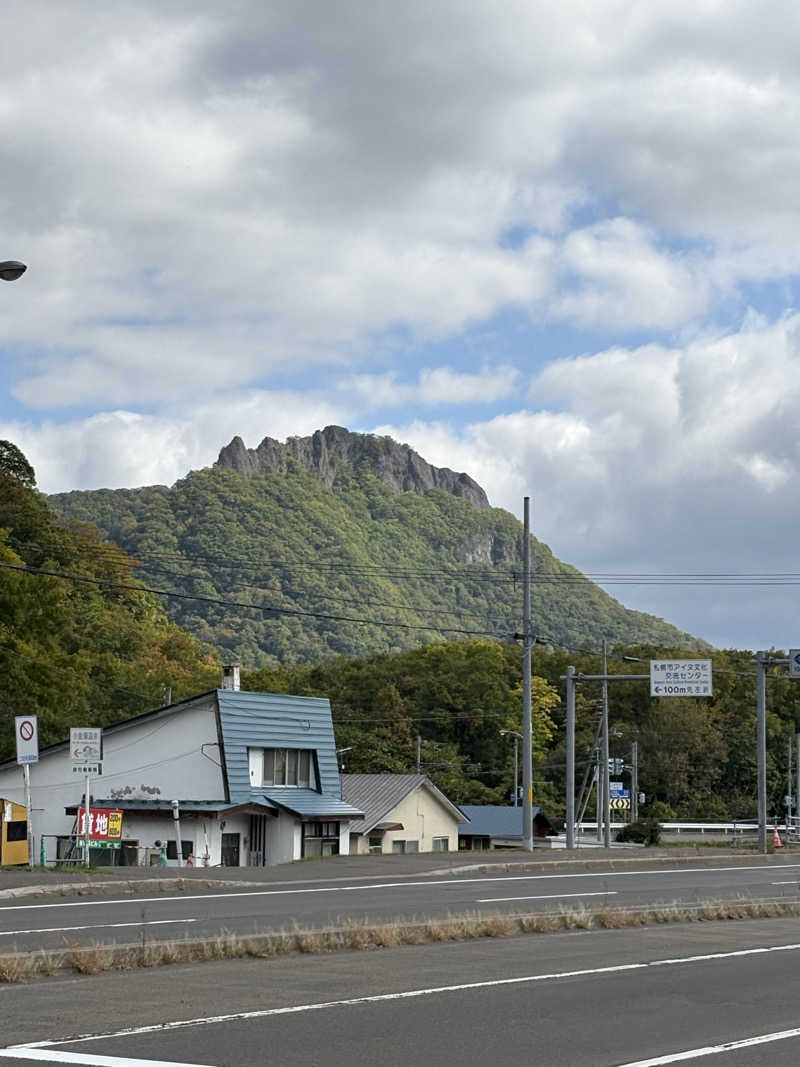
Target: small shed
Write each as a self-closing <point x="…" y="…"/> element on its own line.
<point x="498" y="826"/>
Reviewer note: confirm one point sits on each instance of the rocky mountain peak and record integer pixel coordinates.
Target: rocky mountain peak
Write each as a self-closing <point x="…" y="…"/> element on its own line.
<point x="327" y="451"/>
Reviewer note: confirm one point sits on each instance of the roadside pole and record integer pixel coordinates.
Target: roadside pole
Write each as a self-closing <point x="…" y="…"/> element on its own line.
<point x="570" y="805"/>
<point x="527" y="727"/>
<point x="797" y="787"/>
<point x="26" y="771"/>
<point x="87" y="825"/>
<point x="606" y="771"/>
<point x="26" y="729"/>
<point x="634" y="781"/>
<point x="789" y="798"/>
<point x="761" y="739"/>
<point x="176" y="815"/>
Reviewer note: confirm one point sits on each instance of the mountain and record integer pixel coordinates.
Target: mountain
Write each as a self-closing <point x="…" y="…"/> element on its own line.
<point x="346" y="544"/>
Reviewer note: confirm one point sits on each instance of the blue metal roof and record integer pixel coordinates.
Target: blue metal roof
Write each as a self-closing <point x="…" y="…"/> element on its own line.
<point x="493" y="820"/>
<point x="309" y="802"/>
<point x="276" y="720"/>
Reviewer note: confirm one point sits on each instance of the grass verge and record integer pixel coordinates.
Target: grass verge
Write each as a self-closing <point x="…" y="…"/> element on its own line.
<point x="361" y="936"/>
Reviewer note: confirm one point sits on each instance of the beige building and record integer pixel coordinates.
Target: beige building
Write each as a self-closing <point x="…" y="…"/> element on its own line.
<point x="402" y="813"/>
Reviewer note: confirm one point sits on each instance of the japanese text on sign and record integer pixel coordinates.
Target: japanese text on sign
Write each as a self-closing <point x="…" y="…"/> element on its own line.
<point x="103" y="823"/>
<point x="680" y="678"/>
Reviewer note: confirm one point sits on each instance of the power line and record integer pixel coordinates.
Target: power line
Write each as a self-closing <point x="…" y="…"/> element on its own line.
<point x="110" y="583"/>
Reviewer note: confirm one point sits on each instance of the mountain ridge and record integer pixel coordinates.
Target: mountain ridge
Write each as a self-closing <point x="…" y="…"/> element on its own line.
<point x="296" y="553"/>
<point x="325" y="451"/>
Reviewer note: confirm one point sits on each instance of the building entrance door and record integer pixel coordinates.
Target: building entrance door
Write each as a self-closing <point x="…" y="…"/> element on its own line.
<point x="230" y="850"/>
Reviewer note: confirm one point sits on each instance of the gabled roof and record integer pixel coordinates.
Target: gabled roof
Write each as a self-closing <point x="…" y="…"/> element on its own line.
<point x="273" y="720"/>
<point x="379" y="794"/>
<point x="494" y="820"/>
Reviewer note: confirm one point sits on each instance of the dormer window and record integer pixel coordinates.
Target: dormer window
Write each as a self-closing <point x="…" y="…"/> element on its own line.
<point x="282" y="766"/>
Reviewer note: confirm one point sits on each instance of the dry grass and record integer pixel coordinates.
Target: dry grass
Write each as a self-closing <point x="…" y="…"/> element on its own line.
<point x="360" y="936"/>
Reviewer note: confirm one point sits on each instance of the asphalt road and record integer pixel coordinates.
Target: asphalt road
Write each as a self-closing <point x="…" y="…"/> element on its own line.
<point x="27" y="924"/>
<point x="600" y="999"/>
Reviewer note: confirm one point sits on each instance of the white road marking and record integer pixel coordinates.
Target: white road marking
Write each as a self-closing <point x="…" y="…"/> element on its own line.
<point x="89" y="1059"/>
<point x="408" y="994"/>
<point x="712" y="1050"/>
<point x="792" y="881"/>
<point x="549" y="896"/>
<point x="94" y="926"/>
<point x="397" y="885"/>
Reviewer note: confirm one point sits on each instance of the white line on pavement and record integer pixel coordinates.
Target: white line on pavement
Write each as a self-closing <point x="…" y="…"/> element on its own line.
<point x="88" y="1059"/>
<point x="95" y="926"/>
<point x="712" y="1050"/>
<point x="409" y="994"/>
<point x="549" y="896"/>
<point x="398" y="885"/>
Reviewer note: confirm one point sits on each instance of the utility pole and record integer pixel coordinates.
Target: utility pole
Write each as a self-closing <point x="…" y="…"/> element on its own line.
<point x="527" y="726"/>
<point x="419" y="752"/>
<point x="761" y="735"/>
<point x="789" y="804"/>
<point x="570" y="757"/>
<point x="606" y="773"/>
<point x="634" y="781"/>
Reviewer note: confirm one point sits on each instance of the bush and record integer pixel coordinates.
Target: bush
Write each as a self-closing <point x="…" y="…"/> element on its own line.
<point x="641" y="832"/>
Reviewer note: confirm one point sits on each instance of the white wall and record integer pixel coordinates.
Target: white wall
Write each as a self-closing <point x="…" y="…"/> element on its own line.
<point x="423" y="817"/>
<point x="161" y="754"/>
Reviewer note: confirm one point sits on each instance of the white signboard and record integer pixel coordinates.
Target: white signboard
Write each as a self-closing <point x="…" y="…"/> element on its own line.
<point x="794" y="662"/>
<point x="86" y="749"/>
<point x="680" y="678"/>
<point x="27" y="732"/>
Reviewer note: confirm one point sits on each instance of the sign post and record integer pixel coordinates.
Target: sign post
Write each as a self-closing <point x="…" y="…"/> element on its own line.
<point x="27" y="732"/>
<point x="86" y="753"/>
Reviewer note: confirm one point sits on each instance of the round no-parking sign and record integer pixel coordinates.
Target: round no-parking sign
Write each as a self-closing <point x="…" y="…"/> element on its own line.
<point x="27" y="739"/>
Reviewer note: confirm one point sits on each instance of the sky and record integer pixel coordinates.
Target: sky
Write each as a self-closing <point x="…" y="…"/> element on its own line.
<point x="556" y="246"/>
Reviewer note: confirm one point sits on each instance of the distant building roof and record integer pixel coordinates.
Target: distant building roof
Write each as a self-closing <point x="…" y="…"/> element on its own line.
<point x="377" y="795"/>
<point x="493" y="820"/>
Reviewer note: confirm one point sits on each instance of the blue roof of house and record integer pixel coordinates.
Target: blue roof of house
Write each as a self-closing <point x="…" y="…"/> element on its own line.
<point x="308" y="802"/>
<point x="274" y="720"/>
<point x="493" y="820"/>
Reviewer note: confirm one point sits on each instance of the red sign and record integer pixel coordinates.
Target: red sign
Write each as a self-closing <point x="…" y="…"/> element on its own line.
<point x="104" y="825"/>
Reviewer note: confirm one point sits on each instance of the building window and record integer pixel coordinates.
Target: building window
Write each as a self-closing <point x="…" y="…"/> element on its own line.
<point x="320" y="839"/>
<point x="186" y="849"/>
<point x="376" y="845"/>
<point x="405" y="846"/>
<point x="441" y="844"/>
<point x="17" y="830"/>
<point x="289" y="766"/>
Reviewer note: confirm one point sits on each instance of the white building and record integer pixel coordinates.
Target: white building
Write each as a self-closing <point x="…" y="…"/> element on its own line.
<point x="255" y="776"/>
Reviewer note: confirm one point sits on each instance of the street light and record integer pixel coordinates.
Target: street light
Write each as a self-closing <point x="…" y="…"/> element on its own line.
<point x="517" y="738"/>
<point x="11" y="269"/>
<point x="341" y="752"/>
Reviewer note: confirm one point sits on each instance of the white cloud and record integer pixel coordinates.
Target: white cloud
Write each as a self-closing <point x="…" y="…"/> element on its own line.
<point x="435" y="387"/>
<point x="658" y="462"/>
<point x="117" y="449"/>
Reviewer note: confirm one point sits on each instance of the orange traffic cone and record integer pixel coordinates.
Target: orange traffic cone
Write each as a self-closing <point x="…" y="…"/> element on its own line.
<point x="776" y="841"/>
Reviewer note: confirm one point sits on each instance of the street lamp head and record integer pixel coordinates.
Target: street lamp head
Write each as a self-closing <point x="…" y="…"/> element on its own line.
<point x="11" y="269"/>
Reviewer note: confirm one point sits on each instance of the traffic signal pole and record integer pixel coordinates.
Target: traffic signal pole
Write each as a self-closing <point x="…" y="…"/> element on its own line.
<point x="606" y="769"/>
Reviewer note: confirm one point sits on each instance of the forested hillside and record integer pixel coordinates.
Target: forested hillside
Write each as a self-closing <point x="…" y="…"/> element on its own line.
<point x="99" y="649"/>
<point x="697" y="757"/>
<point x="345" y="544"/>
<point x="78" y="653"/>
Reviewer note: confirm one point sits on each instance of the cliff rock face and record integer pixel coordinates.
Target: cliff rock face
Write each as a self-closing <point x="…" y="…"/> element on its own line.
<point x="327" y="451"/>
